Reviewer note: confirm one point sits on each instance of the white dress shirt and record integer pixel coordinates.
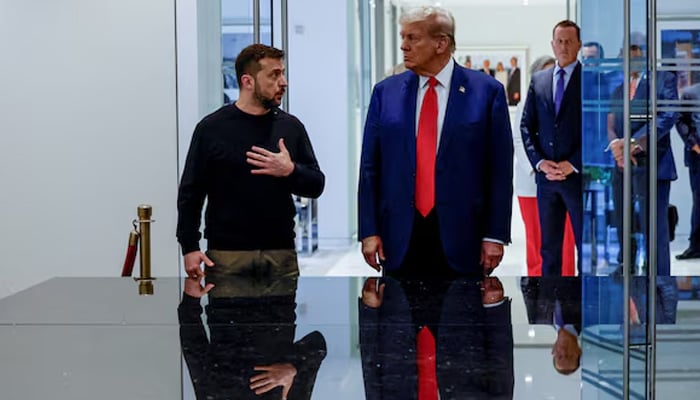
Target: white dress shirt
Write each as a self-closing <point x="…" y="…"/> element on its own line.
<point x="444" y="78"/>
<point x="568" y="71"/>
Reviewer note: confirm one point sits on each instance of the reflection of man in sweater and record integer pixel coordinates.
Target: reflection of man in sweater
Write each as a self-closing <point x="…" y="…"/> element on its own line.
<point x="689" y="128"/>
<point x="249" y="352"/>
<point x="246" y="160"/>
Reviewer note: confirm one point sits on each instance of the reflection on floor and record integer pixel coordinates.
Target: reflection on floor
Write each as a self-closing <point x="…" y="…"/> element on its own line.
<point x="678" y="373"/>
<point x="82" y="337"/>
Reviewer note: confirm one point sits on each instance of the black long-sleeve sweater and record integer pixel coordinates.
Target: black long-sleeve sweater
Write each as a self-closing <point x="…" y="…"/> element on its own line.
<point x="246" y="332"/>
<point x="244" y="211"/>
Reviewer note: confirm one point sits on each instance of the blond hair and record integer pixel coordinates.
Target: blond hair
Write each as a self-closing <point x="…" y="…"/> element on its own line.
<point x="440" y="21"/>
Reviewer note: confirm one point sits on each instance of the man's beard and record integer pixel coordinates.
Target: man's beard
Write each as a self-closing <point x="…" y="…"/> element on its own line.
<point x="267" y="102"/>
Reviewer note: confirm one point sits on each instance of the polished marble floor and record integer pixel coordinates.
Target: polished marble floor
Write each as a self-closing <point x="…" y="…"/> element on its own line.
<point x="86" y="338"/>
<point x="81" y="338"/>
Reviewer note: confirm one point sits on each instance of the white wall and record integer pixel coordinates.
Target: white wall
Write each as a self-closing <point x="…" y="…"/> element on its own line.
<point x="87" y="96"/>
<point x="318" y="90"/>
<point x="509" y="26"/>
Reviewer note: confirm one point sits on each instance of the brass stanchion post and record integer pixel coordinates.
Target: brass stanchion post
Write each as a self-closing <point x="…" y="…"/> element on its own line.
<point x="145" y="280"/>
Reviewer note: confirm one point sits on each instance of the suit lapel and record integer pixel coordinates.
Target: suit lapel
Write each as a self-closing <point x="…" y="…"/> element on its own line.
<point x="410" y="96"/>
<point x="549" y="90"/>
<point x="456" y="107"/>
<point x="642" y="91"/>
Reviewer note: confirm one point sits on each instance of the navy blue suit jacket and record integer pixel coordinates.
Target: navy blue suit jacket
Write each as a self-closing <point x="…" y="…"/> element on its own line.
<point x="547" y="135"/>
<point x="474" y="346"/>
<point x="688" y="124"/>
<point x="473" y="172"/>
<point x="666" y="89"/>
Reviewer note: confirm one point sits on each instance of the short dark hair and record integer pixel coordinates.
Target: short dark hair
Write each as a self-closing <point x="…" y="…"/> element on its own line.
<point x="564" y="371"/>
<point x="601" y="53"/>
<point x="568" y="24"/>
<point x="248" y="60"/>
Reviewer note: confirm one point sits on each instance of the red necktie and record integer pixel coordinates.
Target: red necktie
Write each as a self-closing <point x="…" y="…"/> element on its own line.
<point x="426" y="146"/>
<point x="425" y="360"/>
<point x="633" y="87"/>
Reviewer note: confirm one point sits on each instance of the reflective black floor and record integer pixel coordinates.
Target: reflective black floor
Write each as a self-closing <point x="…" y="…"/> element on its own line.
<point x="320" y="338"/>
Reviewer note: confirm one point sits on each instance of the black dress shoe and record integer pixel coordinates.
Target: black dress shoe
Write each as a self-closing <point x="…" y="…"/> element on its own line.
<point x="688" y="254"/>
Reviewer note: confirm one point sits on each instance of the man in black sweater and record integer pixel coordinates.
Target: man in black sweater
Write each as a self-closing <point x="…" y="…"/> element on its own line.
<point x="247" y="159"/>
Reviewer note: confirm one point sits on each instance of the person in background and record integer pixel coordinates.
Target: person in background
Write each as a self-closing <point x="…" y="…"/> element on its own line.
<point x="551" y="131"/>
<point x="468" y="62"/>
<point x="596" y="94"/>
<point x="395" y="70"/>
<point x="688" y="126"/>
<point x="513" y="86"/>
<point x="486" y="68"/>
<point x="526" y="191"/>
<point x="667" y="89"/>
<point x="501" y="74"/>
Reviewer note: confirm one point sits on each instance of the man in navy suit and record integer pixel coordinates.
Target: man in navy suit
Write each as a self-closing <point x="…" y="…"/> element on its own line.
<point x="435" y="190"/>
<point x="666" y="89"/>
<point x="551" y="131"/>
<point x="688" y="127"/>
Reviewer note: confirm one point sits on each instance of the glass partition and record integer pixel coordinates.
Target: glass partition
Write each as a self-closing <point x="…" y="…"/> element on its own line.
<point x="639" y="300"/>
<point x="238" y="30"/>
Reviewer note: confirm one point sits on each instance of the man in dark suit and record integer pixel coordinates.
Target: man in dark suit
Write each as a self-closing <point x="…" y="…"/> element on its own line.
<point x="666" y="89"/>
<point x="486" y="68"/>
<point x="595" y="92"/>
<point x="513" y="87"/>
<point x="473" y="339"/>
<point x="687" y="126"/>
<point x="551" y="131"/>
<point x="435" y="190"/>
<point x="639" y="93"/>
<point x="556" y="301"/>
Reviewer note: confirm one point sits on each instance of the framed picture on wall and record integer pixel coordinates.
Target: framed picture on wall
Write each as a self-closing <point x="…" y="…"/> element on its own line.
<point x="678" y="44"/>
<point x="507" y="64"/>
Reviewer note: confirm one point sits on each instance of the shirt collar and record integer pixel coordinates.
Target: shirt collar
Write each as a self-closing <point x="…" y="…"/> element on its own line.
<point x="443" y="77"/>
<point x="569" y="68"/>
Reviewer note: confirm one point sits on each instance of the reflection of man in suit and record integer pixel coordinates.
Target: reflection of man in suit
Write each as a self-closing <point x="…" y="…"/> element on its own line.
<point x="435" y="191"/>
<point x="688" y="126"/>
<point x="551" y="130"/>
<point x="473" y="339"/>
<point x="513" y="87"/>
<point x="250" y="352"/>
<point x="666" y="89"/>
<point x="557" y="301"/>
